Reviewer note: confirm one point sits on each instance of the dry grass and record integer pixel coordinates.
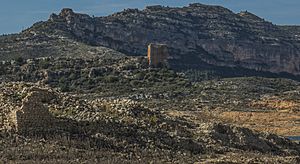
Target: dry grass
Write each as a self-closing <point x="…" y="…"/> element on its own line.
<point x="284" y="123"/>
<point x="275" y="104"/>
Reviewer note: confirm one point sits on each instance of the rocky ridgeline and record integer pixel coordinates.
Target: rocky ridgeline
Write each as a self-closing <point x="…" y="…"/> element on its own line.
<point x="195" y="34"/>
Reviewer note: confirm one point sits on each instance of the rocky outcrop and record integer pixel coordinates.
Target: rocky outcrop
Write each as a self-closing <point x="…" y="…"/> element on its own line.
<point x="245" y="139"/>
<point x="195" y="33"/>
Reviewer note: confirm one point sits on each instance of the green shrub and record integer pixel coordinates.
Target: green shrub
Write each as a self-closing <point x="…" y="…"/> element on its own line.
<point x="64" y="87"/>
<point x="140" y="76"/>
<point x="19" y="60"/>
<point x="73" y="76"/>
<point x="111" y="79"/>
<point x="134" y="83"/>
<point x="44" y="64"/>
<point x="62" y="80"/>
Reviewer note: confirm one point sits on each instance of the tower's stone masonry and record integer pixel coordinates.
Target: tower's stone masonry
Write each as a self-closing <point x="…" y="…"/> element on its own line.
<point x="157" y="54"/>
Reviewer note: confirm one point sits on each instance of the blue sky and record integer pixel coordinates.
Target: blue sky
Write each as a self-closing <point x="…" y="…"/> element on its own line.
<point x="16" y="15"/>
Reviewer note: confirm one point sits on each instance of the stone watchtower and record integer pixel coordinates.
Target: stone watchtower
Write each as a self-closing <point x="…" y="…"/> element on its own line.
<point x="157" y="54"/>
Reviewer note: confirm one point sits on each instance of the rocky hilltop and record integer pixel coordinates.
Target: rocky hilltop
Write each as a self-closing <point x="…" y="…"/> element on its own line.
<point x="196" y="35"/>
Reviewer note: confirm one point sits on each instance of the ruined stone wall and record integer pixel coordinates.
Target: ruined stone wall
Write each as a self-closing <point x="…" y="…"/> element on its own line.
<point x="33" y="114"/>
<point x="157" y="54"/>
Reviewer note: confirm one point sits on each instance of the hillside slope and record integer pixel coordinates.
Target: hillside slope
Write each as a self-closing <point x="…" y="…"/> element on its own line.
<point x="122" y="131"/>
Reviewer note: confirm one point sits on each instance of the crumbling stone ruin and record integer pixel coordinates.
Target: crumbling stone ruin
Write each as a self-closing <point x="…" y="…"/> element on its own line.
<point x="157" y="54"/>
<point x="33" y="114"/>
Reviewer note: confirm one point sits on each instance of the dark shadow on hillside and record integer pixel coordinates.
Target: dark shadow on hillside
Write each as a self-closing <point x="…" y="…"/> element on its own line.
<point x="113" y="136"/>
<point x="210" y="71"/>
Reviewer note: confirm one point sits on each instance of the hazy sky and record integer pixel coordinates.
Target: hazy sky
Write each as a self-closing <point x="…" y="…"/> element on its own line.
<point x="16" y="15"/>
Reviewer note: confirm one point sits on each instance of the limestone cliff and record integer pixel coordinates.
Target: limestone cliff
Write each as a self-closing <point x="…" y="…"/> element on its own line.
<point x="195" y="34"/>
